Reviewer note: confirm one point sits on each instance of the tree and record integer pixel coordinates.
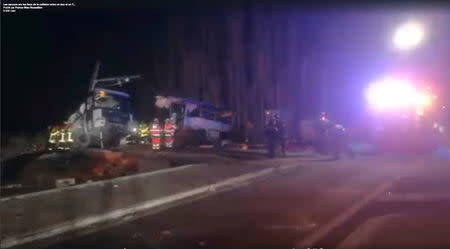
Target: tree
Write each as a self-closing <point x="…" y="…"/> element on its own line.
<point x="247" y="57"/>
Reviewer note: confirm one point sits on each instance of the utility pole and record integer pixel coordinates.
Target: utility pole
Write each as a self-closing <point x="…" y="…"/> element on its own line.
<point x="323" y="90"/>
<point x="277" y="94"/>
<point x="94" y="76"/>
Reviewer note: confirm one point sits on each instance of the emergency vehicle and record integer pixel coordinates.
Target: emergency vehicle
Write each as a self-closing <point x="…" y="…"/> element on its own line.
<point x="400" y="115"/>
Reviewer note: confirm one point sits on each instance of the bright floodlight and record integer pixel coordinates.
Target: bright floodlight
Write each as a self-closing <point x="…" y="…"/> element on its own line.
<point x="389" y="93"/>
<point x="408" y="36"/>
<point x="397" y="94"/>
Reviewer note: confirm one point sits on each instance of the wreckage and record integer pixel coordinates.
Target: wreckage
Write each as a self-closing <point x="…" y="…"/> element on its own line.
<point x="102" y="120"/>
<point x="196" y="122"/>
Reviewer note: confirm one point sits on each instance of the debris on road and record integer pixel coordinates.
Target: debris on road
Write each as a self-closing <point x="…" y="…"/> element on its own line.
<point x="137" y="235"/>
<point x="11" y="186"/>
<point x="61" y="183"/>
<point x="48" y="155"/>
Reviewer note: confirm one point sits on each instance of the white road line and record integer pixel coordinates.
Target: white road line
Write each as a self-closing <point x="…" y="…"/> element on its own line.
<point x="89" y="184"/>
<point x="311" y="240"/>
<point x="363" y="234"/>
<point x="314" y="238"/>
<point x="122" y="213"/>
<point x="414" y="197"/>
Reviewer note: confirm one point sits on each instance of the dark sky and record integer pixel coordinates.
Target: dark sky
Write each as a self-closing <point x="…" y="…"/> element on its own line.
<point x="48" y="56"/>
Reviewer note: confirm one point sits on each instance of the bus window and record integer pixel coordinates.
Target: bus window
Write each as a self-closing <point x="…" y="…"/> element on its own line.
<point x="195" y="113"/>
<point x="207" y="114"/>
<point x="178" y="109"/>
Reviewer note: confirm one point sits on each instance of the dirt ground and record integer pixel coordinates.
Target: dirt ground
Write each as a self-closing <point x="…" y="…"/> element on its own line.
<point x="39" y="171"/>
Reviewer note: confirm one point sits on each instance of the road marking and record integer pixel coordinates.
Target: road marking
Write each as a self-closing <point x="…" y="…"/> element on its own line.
<point x="363" y="234"/>
<point x="126" y="212"/>
<point x="89" y="184"/>
<point x="94" y="221"/>
<point x="314" y="238"/>
<point x="414" y="197"/>
<point x="311" y="240"/>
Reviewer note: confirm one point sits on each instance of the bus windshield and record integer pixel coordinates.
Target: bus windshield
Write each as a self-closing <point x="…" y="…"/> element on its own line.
<point x="113" y="101"/>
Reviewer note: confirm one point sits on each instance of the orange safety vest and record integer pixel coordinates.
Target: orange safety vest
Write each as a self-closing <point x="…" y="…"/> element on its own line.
<point x="169" y="128"/>
<point x="155" y="131"/>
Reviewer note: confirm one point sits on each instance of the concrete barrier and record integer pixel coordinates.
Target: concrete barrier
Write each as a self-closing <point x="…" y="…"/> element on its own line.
<point x="40" y="215"/>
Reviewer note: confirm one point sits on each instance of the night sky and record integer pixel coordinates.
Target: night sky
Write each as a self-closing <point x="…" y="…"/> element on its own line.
<point x="48" y="56"/>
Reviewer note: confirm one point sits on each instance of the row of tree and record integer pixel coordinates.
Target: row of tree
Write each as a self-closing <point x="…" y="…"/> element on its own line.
<point x="246" y="58"/>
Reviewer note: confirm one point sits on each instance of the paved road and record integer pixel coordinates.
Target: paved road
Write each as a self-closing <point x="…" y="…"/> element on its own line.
<point x="278" y="212"/>
<point x="413" y="213"/>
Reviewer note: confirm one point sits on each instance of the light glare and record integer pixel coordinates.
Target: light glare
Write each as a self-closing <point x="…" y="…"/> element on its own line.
<point x="408" y="36"/>
<point x="397" y="94"/>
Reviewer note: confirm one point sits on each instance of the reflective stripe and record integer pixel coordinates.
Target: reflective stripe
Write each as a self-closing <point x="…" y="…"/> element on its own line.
<point x="155" y="133"/>
<point x="52" y="137"/>
<point x="62" y="140"/>
<point x="69" y="136"/>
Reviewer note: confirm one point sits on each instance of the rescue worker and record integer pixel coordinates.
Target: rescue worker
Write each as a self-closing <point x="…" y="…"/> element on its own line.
<point x="69" y="139"/>
<point x="54" y="138"/>
<point x="62" y="138"/>
<point x="339" y="141"/>
<point x="143" y="133"/>
<point x="169" y="132"/>
<point x="281" y="134"/>
<point x="156" y="134"/>
<point x="271" y="133"/>
<point x="322" y="128"/>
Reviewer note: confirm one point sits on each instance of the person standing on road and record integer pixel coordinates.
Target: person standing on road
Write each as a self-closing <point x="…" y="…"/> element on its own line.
<point x="322" y="134"/>
<point x="143" y="133"/>
<point x="53" y="138"/>
<point x="339" y="141"/>
<point x="281" y="134"/>
<point x="169" y="132"/>
<point x="156" y="134"/>
<point x="271" y="134"/>
<point x="335" y="139"/>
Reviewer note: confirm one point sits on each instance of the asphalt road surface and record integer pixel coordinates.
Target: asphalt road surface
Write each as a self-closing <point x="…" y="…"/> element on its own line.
<point x="283" y="211"/>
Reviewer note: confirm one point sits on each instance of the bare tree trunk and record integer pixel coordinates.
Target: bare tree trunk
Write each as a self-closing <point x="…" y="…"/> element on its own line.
<point x="236" y="66"/>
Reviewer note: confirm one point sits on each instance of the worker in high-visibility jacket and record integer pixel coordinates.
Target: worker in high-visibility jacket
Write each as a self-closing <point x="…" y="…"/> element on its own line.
<point x="169" y="132"/>
<point x="68" y="136"/>
<point x="54" y="137"/>
<point x="155" y="132"/>
<point x="62" y="143"/>
<point x="54" y="132"/>
<point x="143" y="133"/>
